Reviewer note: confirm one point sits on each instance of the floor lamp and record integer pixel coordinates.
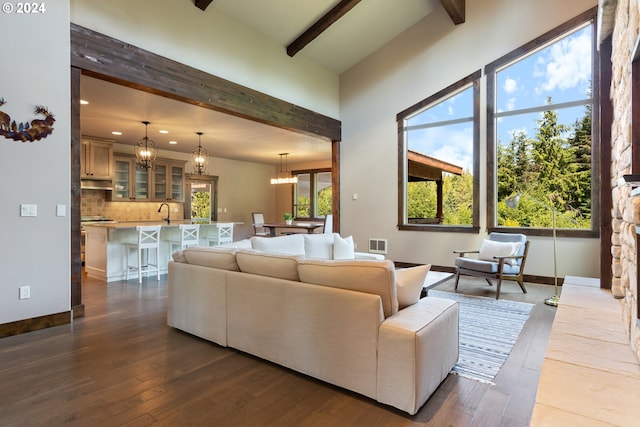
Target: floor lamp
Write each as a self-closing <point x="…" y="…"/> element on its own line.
<point x="513" y="202"/>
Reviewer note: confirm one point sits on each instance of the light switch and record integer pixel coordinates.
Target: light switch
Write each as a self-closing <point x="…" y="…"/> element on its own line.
<point x="28" y="210"/>
<point x="61" y="210"/>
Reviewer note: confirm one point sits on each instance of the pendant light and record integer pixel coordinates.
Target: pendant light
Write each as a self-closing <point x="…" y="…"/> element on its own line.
<point x="284" y="176"/>
<point x="146" y="151"/>
<point x="199" y="158"/>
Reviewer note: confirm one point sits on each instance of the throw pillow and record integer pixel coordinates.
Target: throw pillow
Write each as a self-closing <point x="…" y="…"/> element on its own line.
<point x="292" y="244"/>
<point x="491" y="248"/>
<point x="409" y="283"/>
<point x="318" y="246"/>
<point x="343" y="248"/>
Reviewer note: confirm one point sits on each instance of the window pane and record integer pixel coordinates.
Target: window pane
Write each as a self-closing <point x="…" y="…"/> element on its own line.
<point x="302" y="202"/>
<point x="455" y="107"/>
<point x="323" y="193"/>
<point x="544" y="157"/>
<point x="560" y="71"/>
<point x="440" y="163"/>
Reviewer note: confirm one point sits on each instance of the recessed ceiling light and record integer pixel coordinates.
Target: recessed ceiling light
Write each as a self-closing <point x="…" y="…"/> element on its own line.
<point x="115" y="132"/>
<point x="163" y="131"/>
<point x="173" y="142"/>
<point x="83" y="102"/>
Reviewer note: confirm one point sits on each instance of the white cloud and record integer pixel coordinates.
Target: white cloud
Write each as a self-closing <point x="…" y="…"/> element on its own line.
<point x="510" y="85"/>
<point x="567" y="65"/>
<point x="511" y="104"/>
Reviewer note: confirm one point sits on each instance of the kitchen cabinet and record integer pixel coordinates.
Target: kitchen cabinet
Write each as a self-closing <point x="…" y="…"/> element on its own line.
<point x="96" y="159"/>
<point x="129" y="183"/>
<point x="164" y="182"/>
<point x="168" y="180"/>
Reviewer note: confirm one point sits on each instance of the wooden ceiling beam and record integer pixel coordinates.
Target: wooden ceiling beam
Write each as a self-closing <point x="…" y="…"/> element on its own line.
<point x="320" y="26"/>
<point x="202" y="4"/>
<point x="455" y="9"/>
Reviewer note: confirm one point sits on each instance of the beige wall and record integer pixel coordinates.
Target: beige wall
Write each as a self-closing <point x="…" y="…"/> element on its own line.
<point x="213" y="42"/>
<point x="35" y="250"/>
<point x="426" y="58"/>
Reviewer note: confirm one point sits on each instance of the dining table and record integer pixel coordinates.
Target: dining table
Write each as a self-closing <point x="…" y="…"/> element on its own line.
<point x="309" y="226"/>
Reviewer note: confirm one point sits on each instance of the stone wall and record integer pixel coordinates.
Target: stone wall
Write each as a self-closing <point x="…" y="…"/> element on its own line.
<point x="625" y="209"/>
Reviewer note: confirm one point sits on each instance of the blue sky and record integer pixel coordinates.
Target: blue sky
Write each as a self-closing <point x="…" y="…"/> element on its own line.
<point x="561" y="71"/>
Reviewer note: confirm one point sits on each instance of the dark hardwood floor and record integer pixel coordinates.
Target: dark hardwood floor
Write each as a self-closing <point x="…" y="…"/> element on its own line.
<point x="121" y="365"/>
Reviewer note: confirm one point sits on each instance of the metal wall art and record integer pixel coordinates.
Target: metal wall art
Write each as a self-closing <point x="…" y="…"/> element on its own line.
<point x="34" y="130"/>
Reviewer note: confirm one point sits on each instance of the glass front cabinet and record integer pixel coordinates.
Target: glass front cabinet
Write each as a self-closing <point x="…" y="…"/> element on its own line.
<point x="164" y="182"/>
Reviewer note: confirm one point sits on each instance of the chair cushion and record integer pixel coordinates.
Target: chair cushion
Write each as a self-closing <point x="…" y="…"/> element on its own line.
<point x="486" y="266"/>
<point x="492" y="248"/>
<point x="511" y="237"/>
<point x="409" y="283"/>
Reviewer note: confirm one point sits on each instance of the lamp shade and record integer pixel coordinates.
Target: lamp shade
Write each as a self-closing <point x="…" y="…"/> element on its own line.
<point x="146" y="151"/>
<point x="199" y="158"/>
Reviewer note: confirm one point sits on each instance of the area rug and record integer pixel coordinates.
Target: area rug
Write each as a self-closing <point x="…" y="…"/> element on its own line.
<point x="488" y="330"/>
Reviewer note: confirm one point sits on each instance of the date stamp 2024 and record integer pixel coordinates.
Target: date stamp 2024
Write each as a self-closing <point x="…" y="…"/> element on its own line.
<point x="31" y="8"/>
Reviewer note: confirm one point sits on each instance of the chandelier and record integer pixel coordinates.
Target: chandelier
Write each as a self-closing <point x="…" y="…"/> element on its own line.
<point x="199" y="158"/>
<point x="284" y="176"/>
<point x="146" y="151"/>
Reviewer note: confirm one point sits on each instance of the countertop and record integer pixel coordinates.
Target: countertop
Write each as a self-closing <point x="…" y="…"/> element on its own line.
<point x="132" y="224"/>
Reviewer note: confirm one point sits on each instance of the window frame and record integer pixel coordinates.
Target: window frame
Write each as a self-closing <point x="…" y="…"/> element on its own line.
<point x="312" y="191"/>
<point x="473" y="81"/>
<point x="490" y="73"/>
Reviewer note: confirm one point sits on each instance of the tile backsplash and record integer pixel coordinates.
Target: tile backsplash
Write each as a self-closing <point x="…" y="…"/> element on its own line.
<point x="95" y="202"/>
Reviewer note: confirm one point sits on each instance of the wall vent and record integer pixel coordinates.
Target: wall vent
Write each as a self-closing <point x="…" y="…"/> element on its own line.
<point x="378" y="246"/>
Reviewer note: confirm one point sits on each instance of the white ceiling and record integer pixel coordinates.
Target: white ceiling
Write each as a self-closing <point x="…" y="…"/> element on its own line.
<point x="364" y="29"/>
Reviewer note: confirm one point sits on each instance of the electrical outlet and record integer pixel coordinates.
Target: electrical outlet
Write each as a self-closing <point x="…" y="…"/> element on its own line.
<point x="25" y="292"/>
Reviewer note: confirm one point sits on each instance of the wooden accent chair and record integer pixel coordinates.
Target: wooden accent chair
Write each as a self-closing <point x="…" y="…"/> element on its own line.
<point x="502" y="257"/>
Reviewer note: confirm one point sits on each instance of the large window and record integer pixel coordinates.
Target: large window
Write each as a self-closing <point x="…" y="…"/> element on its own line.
<point x="312" y="194"/>
<point x="541" y="104"/>
<point x="438" y="167"/>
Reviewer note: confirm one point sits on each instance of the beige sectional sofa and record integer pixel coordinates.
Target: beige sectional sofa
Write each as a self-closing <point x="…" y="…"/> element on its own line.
<point x="336" y="320"/>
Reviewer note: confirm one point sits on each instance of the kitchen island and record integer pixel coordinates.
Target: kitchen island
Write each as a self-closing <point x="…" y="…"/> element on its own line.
<point x="105" y="245"/>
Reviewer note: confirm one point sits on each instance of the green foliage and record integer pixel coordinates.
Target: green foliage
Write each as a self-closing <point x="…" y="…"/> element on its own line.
<point x="201" y="205"/>
<point x="457" y="206"/>
<point x="552" y="171"/>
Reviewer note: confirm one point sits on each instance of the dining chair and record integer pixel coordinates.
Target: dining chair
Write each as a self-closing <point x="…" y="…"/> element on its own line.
<point x="148" y="239"/>
<point x="328" y="224"/>
<point x="258" y="220"/>
<point x="501" y="257"/>
<point x="223" y="235"/>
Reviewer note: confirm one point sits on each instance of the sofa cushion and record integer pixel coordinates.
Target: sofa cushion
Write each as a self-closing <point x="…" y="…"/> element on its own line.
<point x="318" y="246"/>
<point x="223" y="258"/>
<point x="281" y="266"/>
<point x="409" y="283"/>
<point x="343" y="247"/>
<point x="370" y="276"/>
<point x="292" y="244"/>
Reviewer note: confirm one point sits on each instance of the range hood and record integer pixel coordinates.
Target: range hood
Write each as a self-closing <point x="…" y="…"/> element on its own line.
<point x="94" y="184"/>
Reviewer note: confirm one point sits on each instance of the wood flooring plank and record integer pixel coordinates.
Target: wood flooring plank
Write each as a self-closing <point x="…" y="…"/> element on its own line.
<point x="121" y="365"/>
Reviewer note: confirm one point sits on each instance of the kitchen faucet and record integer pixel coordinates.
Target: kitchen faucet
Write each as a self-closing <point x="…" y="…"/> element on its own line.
<point x="168" y="218"/>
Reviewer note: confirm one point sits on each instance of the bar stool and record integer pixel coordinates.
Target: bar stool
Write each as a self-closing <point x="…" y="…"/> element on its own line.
<point x="189" y="236"/>
<point x="224" y="234"/>
<point x="148" y="239"/>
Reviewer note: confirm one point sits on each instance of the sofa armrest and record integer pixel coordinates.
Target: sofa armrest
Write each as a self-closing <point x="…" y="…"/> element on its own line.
<point x="417" y="348"/>
<point x="367" y="255"/>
